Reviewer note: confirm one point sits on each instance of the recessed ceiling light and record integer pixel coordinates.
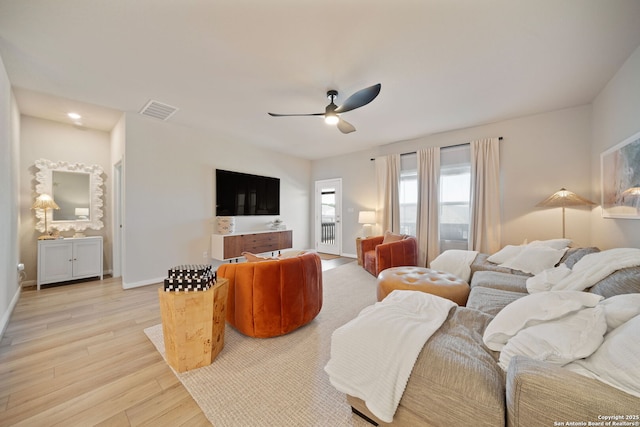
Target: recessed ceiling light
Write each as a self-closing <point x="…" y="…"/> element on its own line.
<point x="74" y="116"/>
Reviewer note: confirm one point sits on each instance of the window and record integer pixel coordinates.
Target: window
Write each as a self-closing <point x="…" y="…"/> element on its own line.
<point x="454" y="195"/>
<point x="408" y="193"/>
<point x="408" y="201"/>
<point x="328" y="220"/>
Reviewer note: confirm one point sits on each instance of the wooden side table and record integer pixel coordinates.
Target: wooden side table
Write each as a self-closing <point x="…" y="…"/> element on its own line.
<point x="359" y="250"/>
<point x="193" y="325"/>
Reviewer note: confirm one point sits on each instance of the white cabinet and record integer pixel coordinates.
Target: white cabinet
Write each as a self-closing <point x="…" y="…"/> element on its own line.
<point x="69" y="259"/>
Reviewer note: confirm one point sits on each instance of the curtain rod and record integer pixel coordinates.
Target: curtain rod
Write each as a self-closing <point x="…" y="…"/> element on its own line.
<point x="448" y="146"/>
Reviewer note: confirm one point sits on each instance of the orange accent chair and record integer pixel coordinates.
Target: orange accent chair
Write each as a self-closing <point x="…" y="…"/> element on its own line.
<point x="273" y="297"/>
<point x="390" y="250"/>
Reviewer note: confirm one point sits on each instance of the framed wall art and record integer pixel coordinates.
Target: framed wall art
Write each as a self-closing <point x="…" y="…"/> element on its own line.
<point x="620" y="179"/>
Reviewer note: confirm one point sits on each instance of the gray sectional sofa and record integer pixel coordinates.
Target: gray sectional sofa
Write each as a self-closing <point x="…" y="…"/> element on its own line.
<point x="456" y="380"/>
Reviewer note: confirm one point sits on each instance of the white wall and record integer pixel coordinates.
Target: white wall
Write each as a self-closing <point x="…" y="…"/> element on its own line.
<point x="358" y="191"/>
<point x="9" y="199"/>
<point x="539" y="155"/>
<point x="45" y="139"/>
<point x="118" y="140"/>
<point x="616" y="116"/>
<point x="169" y="194"/>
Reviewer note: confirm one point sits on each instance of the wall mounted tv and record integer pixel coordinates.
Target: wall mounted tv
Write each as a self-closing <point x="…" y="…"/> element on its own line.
<point x="239" y="194"/>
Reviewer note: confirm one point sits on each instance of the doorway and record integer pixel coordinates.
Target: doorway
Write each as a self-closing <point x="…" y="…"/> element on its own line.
<point x="117" y="219"/>
<point x="328" y="216"/>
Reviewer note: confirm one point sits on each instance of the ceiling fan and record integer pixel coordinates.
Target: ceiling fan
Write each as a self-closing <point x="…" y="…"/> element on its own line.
<point x="357" y="100"/>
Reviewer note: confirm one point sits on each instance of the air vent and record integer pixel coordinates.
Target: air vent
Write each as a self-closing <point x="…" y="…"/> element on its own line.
<point x="158" y="110"/>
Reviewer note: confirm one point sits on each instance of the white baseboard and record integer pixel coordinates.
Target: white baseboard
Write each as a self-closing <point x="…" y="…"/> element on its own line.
<point x="142" y="283"/>
<point x="4" y="322"/>
<point x="27" y="283"/>
<point x="350" y="255"/>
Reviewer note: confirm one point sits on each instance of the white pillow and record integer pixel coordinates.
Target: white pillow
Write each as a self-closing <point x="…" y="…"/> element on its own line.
<point x="534" y="259"/>
<point x="505" y="254"/>
<point x="553" y="243"/>
<point x="532" y="310"/>
<point x="560" y="341"/>
<point x="620" y="309"/>
<point x="617" y="361"/>
<point x="291" y="254"/>
<point x="455" y="261"/>
<point x="545" y="280"/>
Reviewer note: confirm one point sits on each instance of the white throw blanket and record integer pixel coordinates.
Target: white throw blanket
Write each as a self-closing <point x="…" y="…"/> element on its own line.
<point x="373" y="355"/>
<point x="585" y="273"/>
<point x="455" y="261"/>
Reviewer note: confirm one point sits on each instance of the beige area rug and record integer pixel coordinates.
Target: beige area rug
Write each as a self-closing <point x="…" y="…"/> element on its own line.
<point x="281" y="381"/>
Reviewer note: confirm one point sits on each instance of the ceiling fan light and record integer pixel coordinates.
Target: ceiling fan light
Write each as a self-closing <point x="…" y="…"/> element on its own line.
<point x="331" y="119"/>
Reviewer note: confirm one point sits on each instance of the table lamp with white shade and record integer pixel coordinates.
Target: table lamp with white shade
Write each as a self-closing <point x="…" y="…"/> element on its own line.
<point x="367" y="219"/>
<point x="44" y="201"/>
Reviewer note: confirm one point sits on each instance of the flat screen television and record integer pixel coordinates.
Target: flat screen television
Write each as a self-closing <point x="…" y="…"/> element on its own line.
<point x="241" y="194"/>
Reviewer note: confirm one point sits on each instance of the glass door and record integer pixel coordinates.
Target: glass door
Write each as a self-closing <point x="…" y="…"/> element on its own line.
<point x="328" y="226"/>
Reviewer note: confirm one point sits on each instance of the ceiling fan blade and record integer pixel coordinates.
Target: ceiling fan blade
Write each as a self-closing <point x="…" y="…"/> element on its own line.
<point x="345" y="127"/>
<point x="292" y="115"/>
<point x="360" y="98"/>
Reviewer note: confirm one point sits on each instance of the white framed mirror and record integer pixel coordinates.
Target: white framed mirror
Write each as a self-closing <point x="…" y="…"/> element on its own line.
<point x="77" y="189"/>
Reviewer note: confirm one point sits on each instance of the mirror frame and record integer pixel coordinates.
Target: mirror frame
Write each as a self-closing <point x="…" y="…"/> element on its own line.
<point x="44" y="177"/>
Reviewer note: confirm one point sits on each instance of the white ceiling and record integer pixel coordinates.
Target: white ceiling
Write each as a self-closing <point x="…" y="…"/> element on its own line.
<point x="443" y="64"/>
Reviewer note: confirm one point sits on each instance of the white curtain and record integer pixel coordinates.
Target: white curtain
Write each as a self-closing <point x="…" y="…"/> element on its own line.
<point x="427" y="229"/>
<point x="388" y="185"/>
<point x="484" y="227"/>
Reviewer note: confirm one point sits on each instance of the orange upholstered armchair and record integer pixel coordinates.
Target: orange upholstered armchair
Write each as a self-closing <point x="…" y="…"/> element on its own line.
<point x="274" y="296"/>
<point x="390" y="250"/>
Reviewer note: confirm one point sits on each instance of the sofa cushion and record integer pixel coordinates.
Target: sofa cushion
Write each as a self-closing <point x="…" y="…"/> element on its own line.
<point x="491" y="301"/>
<point x="456" y="380"/>
<point x="541" y="394"/>
<point x="623" y="281"/>
<point x="574" y="255"/>
<point x="498" y="280"/>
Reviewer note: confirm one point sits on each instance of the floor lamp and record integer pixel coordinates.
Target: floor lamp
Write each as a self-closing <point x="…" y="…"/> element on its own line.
<point x="564" y="198"/>
<point x="44" y="202"/>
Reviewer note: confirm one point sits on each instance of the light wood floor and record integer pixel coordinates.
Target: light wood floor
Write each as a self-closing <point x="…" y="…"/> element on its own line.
<point x="76" y="355"/>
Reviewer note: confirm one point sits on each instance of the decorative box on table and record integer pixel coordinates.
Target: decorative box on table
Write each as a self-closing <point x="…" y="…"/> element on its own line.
<point x="193" y="320"/>
<point x="192" y="277"/>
